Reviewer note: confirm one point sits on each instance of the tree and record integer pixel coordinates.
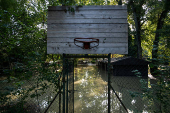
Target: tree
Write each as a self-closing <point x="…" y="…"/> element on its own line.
<point x="119" y="2"/>
<point x="135" y="8"/>
<point x="160" y="24"/>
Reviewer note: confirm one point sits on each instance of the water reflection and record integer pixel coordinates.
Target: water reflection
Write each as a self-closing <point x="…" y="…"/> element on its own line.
<point x="91" y="91"/>
<point x="34" y="103"/>
<point x="124" y="87"/>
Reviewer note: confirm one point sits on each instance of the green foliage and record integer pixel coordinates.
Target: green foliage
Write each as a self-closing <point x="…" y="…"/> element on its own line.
<point x="23" y="53"/>
<point x="156" y="91"/>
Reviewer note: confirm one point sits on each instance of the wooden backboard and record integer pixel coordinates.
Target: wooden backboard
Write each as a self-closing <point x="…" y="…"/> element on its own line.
<point x="106" y="23"/>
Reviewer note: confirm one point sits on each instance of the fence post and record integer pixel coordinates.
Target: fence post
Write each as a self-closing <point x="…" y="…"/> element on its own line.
<point x="60" y="93"/>
<point x="67" y="70"/>
<point x="64" y="68"/>
<point x="73" y="85"/>
<point x="108" y="69"/>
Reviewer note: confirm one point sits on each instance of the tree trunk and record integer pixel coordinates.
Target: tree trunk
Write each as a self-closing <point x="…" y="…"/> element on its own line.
<point x="119" y="2"/>
<point x="138" y="29"/>
<point x="156" y="42"/>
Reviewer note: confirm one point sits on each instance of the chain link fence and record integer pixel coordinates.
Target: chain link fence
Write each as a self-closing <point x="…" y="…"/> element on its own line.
<point x="33" y="91"/>
<point x="133" y="89"/>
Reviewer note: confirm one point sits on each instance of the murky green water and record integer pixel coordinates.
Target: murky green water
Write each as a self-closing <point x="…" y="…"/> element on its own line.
<point x="91" y="93"/>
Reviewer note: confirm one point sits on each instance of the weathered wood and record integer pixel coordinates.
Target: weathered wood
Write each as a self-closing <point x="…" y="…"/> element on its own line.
<point x="87" y="30"/>
<point x="120" y="50"/>
<point x="79" y="8"/>
<point x="87" y="21"/>
<point x="72" y="45"/>
<point x="87" y="13"/>
<point x="106" y="23"/>
<point x="101" y="40"/>
<point x="89" y="26"/>
<point x="85" y="35"/>
<point x="53" y="16"/>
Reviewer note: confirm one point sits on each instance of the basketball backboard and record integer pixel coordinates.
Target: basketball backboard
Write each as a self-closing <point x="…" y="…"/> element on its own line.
<point x="107" y="24"/>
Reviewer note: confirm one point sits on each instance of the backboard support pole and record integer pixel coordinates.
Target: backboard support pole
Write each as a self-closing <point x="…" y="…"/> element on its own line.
<point x="108" y="68"/>
<point x="63" y="80"/>
<point x="67" y="85"/>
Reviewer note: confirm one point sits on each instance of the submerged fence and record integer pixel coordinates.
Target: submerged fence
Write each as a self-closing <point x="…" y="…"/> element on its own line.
<point x="132" y="89"/>
<point x="32" y="91"/>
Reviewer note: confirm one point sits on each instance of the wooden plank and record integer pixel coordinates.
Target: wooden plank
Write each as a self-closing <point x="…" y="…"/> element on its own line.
<point x="89" y="26"/>
<point x="101" y="45"/>
<point x="87" y="21"/>
<point x="101" y="40"/>
<point x="84" y="35"/>
<point x="89" y="30"/>
<point x="88" y="12"/>
<point x="79" y="8"/>
<point x="120" y="50"/>
<point x="52" y="16"/>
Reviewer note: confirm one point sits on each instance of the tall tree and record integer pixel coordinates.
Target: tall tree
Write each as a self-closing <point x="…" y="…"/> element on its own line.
<point x="160" y="23"/>
<point x="136" y="9"/>
<point x="119" y="2"/>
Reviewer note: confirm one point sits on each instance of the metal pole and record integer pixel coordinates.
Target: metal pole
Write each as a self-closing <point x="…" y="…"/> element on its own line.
<point x="64" y="68"/>
<point x="108" y="68"/>
<point x="59" y="94"/>
<point x="119" y="99"/>
<point x="52" y="102"/>
<point x="73" y="86"/>
<point x="67" y="66"/>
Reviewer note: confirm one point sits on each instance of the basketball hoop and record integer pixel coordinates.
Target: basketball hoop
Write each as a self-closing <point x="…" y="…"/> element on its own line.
<point x="86" y="42"/>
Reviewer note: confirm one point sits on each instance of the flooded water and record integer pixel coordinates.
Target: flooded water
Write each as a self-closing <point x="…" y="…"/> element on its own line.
<point x="91" y="93"/>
